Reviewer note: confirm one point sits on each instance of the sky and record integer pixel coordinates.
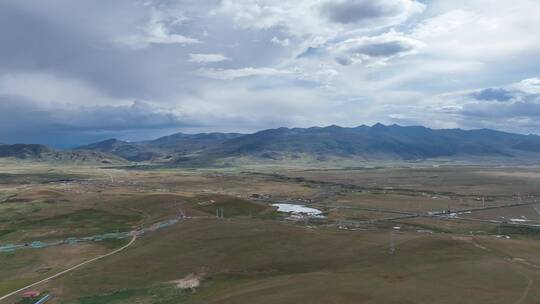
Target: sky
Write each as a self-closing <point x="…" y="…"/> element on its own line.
<point x="75" y="72"/>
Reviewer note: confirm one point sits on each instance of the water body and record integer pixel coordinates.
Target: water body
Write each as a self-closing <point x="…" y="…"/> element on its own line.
<point x="297" y="209"/>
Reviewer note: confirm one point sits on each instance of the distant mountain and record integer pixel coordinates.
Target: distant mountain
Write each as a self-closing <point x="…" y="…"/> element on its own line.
<point x="170" y="147"/>
<point x="129" y="151"/>
<point x="189" y="143"/>
<point x="378" y="142"/>
<point x="23" y="150"/>
<point x="37" y="152"/>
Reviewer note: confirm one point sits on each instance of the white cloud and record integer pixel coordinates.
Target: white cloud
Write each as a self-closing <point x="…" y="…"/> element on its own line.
<point x="236" y="107"/>
<point x="229" y="74"/>
<point x="207" y="58"/>
<point x="283" y="42"/>
<point x="158" y="30"/>
<point x="529" y="85"/>
<point x="158" y="34"/>
<point x="304" y="18"/>
<point x="481" y="33"/>
<point x="397" y="64"/>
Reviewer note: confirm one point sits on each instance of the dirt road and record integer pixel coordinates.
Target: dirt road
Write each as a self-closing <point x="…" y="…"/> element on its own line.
<point x="71" y="268"/>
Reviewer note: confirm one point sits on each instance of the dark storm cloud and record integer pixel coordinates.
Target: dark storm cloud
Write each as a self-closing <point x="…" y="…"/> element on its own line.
<point x="138" y="115"/>
<point x="95" y="57"/>
<point x="383" y="49"/>
<point x="497" y="94"/>
<point x="515" y="107"/>
<point x="358" y="10"/>
<point x="503" y="103"/>
<point x="22" y="120"/>
<point x="372" y="49"/>
<point x="502" y="110"/>
<point x="368" y="11"/>
<point x="69" y="69"/>
<point x="87" y="42"/>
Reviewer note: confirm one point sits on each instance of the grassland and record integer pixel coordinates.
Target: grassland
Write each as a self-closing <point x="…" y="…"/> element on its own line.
<point x="254" y="255"/>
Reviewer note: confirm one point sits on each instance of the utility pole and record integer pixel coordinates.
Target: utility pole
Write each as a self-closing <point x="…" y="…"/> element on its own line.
<point x="392" y="247"/>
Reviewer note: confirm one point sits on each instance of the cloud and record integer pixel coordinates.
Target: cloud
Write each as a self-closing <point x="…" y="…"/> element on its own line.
<point x="283" y="42"/>
<point x="317" y="18"/>
<point x="307" y="62"/>
<point x="376" y="49"/>
<point x="230" y="74"/>
<point x="364" y="11"/>
<point x="524" y="91"/>
<point x="47" y="89"/>
<point x="159" y="35"/>
<point x="159" y="30"/>
<point x="207" y="58"/>
<point x="479" y="31"/>
<point x="22" y="120"/>
<point x="529" y="85"/>
<point x="498" y="94"/>
<point x="512" y="107"/>
<point x="516" y="109"/>
<point x="137" y="115"/>
<point x="237" y="107"/>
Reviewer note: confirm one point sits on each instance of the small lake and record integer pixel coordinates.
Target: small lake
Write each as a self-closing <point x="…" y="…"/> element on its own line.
<point x="297" y="209"/>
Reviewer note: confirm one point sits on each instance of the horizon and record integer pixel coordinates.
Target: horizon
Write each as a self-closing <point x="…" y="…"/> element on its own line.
<point x="249" y="133"/>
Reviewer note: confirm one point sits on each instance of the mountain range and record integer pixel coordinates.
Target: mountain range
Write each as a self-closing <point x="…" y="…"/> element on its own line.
<point x="377" y="142"/>
<point x="37" y="152"/>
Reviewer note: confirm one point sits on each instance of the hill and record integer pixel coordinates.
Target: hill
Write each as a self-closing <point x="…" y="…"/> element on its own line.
<point x="35" y="152"/>
<point x="126" y="150"/>
<point x="164" y="148"/>
<point x="381" y="142"/>
<point x="378" y="142"/>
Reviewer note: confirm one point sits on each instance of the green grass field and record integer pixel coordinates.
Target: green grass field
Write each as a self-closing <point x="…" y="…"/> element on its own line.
<point x="253" y="255"/>
<point x="253" y="261"/>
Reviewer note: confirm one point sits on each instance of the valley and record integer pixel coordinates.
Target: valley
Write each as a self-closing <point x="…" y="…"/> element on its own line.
<point x="218" y="236"/>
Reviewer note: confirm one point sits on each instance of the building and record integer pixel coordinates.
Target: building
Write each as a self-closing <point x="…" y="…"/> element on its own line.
<point x="31" y="294"/>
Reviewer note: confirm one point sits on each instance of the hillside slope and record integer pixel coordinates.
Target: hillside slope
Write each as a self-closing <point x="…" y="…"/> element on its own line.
<point x="381" y="141"/>
<point x="378" y="142"/>
<point x="164" y="148"/>
<point x="35" y="152"/>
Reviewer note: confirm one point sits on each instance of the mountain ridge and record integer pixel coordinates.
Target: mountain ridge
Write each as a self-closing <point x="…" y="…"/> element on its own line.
<point x="381" y="142"/>
<point x="37" y="152"/>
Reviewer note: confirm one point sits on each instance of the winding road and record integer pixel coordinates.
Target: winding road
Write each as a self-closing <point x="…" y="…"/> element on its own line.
<point x="71" y="268"/>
